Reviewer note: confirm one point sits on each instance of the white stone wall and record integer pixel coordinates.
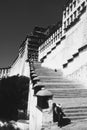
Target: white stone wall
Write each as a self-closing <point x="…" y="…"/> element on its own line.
<point x="79" y="75"/>
<point x="21" y="66"/>
<point x="76" y="37"/>
<point x="54" y="59"/>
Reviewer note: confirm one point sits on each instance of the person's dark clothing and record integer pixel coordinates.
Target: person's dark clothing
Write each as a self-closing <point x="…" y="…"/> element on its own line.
<point x="58" y="114"/>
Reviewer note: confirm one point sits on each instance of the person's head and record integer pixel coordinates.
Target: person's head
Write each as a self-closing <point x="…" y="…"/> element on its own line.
<point x="59" y="105"/>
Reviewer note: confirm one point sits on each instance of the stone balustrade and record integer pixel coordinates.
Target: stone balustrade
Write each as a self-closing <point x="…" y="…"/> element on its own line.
<point x="40" y="103"/>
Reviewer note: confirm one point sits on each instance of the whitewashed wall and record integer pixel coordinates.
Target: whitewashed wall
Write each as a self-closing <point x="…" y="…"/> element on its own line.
<point x="21" y="66"/>
<point x="76" y="37"/>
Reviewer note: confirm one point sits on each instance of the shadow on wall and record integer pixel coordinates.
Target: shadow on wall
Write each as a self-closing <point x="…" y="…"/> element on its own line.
<point x="13" y="96"/>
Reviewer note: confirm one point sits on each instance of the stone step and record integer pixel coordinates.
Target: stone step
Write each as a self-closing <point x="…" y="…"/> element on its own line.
<point x="75" y="109"/>
<point x="69" y="93"/>
<point x="53" y="86"/>
<point x="76" y="113"/>
<point x="62" y="83"/>
<point x="78" y="108"/>
<point x="71" y="102"/>
<point x="50" y="76"/>
<point x="59" y="81"/>
<point x="47" y="71"/>
<point x="76" y="118"/>
<point x="64" y="88"/>
<point x="52" y="79"/>
<point x="56" y="79"/>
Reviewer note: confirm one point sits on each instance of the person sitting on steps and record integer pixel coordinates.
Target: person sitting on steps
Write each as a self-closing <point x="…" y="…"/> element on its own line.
<point x="58" y="113"/>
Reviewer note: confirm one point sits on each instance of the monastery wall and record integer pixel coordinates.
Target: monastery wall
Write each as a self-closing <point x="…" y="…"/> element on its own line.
<point x="76" y="38"/>
<point x="21" y="66"/>
<point x="71" y="54"/>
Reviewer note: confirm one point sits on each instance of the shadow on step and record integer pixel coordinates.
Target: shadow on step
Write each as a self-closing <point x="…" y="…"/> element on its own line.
<point x="64" y="122"/>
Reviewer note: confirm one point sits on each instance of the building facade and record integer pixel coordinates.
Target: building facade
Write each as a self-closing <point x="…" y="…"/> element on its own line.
<point x="66" y="47"/>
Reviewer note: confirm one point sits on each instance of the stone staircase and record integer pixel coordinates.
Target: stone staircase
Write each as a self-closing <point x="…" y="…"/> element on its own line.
<point x="70" y="94"/>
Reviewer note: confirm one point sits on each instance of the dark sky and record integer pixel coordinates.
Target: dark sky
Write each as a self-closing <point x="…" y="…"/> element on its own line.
<point x="18" y="18"/>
